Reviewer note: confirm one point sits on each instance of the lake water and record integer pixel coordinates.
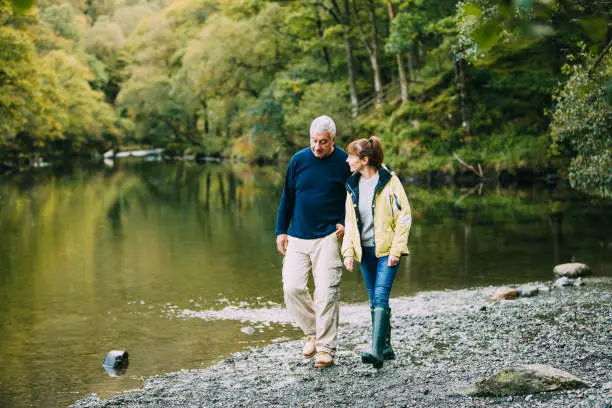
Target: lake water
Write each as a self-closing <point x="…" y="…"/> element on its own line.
<point x="128" y="258"/>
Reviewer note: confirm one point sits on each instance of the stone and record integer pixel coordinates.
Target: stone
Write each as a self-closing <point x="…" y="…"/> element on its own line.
<point x="505" y="293"/>
<point x="562" y="282"/>
<point x="527" y="291"/>
<point x="116" y="363"/>
<point x="524" y="380"/>
<point x="544" y="289"/>
<point x="116" y="359"/>
<point x="572" y="270"/>
<point x="579" y="282"/>
<point x="248" y="330"/>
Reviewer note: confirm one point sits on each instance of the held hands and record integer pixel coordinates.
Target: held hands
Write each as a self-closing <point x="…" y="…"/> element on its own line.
<point x="281" y="243"/>
<point x="349" y="263"/>
<point x="339" y="231"/>
<point x="393" y="260"/>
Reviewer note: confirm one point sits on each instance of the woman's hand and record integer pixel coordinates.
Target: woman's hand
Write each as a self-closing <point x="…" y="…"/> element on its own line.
<point x="349" y="263"/>
<point x="393" y="260"/>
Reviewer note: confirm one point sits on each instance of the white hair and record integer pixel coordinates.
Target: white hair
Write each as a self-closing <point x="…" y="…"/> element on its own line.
<point x="323" y="124"/>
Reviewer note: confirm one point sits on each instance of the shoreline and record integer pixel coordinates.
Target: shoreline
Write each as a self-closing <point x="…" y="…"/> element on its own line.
<point x="444" y="341"/>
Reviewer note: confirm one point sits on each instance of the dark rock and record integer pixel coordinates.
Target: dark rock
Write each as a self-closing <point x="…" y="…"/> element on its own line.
<point x="116" y="359"/>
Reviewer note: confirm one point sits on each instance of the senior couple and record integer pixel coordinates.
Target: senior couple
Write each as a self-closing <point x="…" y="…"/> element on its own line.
<point x="340" y="203"/>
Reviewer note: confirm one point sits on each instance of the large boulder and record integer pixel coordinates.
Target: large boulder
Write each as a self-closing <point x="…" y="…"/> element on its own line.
<point x="572" y="270"/>
<point x="523" y="380"/>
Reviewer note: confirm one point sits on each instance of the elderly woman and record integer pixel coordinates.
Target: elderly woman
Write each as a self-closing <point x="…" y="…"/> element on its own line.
<point x="376" y="234"/>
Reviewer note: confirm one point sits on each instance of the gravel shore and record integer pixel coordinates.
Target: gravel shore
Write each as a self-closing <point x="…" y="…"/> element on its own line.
<point x="444" y="341"/>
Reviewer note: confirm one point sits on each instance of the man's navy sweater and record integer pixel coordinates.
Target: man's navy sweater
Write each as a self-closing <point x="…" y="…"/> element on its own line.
<point x="314" y="195"/>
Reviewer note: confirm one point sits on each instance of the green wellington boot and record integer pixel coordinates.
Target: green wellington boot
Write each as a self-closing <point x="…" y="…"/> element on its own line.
<point x="388" y="353"/>
<point x="380" y="324"/>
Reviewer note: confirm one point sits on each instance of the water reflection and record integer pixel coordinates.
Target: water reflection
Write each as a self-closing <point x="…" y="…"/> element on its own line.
<point x="93" y="259"/>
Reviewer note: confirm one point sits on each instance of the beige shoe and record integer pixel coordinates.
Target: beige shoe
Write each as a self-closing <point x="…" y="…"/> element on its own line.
<point x="324" y="359"/>
<point x="310" y="348"/>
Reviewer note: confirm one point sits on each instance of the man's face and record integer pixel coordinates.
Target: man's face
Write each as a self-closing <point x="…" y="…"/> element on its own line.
<point x="321" y="144"/>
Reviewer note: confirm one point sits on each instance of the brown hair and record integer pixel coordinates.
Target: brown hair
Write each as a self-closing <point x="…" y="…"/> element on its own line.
<point x="370" y="148"/>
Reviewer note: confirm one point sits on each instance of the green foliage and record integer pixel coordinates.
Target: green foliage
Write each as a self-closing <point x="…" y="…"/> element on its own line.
<point x="129" y="17"/>
<point x="104" y="39"/>
<point x="485" y="24"/>
<point x="18" y="84"/>
<point x="319" y="99"/>
<point x="244" y="78"/>
<point x="62" y="19"/>
<point x="582" y="123"/>
<point x="82" y="112"/>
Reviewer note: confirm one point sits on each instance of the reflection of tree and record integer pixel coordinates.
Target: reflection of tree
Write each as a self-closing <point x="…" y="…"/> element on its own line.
<point x="500" y="235"/>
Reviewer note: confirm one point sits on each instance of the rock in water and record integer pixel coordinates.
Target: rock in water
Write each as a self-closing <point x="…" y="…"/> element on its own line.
<point x="524" y="380"/>
<point x="572" y="270"/>
<point x="116" y="359"/>
<point x="116" y="363"/>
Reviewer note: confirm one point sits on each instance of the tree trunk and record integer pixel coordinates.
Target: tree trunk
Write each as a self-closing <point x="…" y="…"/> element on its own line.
<point x="351" y="73"/>
<point x="349" y="57"/>
<point x="400" y="62"/>
<point x="374" y="56"/>
<point x="438" y="62"/>
<point x="460" y="72"/>
<point x="325" y="49"/>
<point x="411" y="73"/>
<point x="371" y="46"/>
<point x="204" y="103"/>
<point x="342" y="16"/>
<point x="377" y="81"/>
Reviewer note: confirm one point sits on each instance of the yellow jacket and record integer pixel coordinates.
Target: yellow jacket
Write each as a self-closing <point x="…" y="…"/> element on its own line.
<point x="392" y="217"/>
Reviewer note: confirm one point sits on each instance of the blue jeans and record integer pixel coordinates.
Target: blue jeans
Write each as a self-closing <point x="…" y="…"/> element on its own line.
<point x="378" y="277"/>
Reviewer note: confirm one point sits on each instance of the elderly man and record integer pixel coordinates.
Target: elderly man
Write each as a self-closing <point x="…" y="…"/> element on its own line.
<point x="309" y="232"/>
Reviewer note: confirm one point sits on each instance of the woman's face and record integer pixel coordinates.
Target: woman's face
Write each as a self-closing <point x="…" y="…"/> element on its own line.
<point x="355" y="163"/>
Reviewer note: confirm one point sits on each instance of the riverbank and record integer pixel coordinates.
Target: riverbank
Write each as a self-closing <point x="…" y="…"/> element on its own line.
<point x="444" y="341"/>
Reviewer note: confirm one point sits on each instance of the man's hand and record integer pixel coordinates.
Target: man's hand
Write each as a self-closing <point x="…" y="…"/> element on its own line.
<point x="281" y="243"/>
<point x="393" y="260"/>
<point x="349" y="263"/>
<point x="339" y="231"/>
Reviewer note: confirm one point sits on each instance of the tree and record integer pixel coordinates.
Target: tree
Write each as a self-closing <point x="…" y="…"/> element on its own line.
<point x="128" y="17"/>
<point x="582" y="123"/>
<point x="62" y="19"/>
<point x="400" y="61"/>
<point x="19" y="86"/>
<point x="370" y="42"/>
<point x="104" y="40"/>
<point x="340" y="11"/>
<point x="85" y="118"/>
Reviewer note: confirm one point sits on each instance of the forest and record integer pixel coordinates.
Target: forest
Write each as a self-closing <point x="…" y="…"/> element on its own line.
<point x="494" y="84"/>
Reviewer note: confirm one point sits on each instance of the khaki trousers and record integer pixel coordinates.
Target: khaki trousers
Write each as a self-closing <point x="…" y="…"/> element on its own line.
<point x="322" y="257"/>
